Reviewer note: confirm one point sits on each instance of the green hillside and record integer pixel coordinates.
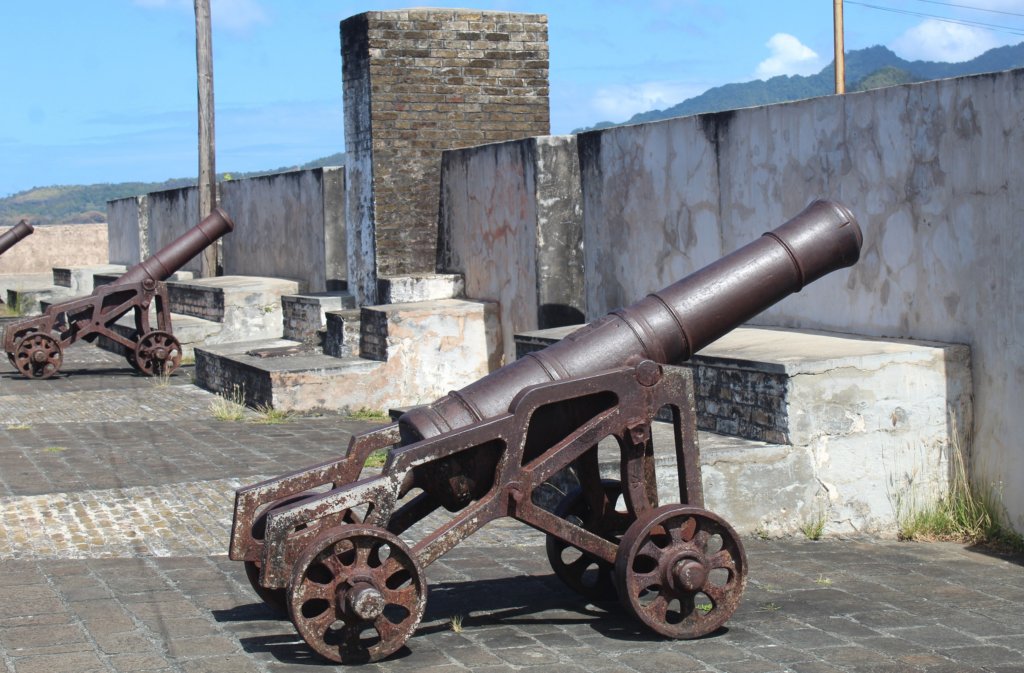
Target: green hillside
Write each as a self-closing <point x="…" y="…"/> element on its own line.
<point x="88" y="203"/>
<point x="865" y="69"/>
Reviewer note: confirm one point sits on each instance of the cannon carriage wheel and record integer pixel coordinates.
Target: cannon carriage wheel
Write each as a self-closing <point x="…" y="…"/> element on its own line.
<point x="37" y="355"/>
<point x="157" y="353"/>
<point x="357" y="594"/>
<point x="581" y="571"/>
<point x="681" y="570"/>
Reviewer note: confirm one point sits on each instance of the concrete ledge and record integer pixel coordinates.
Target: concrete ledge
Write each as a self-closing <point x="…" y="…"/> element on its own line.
<point x="341" y="333"/>
<point x="420" y="287"/>
<point x="81" y="279"/>
<point x="248" y="307"/>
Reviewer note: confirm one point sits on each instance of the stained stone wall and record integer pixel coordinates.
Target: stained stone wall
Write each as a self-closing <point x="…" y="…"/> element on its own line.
<point x="417" y="82"/>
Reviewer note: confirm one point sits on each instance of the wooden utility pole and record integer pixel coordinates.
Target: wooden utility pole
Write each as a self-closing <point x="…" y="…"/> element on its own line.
<point x="207" y="146"/>
<point x="837" y="21"/>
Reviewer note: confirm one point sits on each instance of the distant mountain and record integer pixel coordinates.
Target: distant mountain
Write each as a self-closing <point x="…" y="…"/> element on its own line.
<point x="88" y="203"/>
<point x="869" y="68"/>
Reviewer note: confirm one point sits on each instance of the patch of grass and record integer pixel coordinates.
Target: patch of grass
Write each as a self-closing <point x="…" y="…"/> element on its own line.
<point x="770" y="606"/>
<point x="229" y="407"/>
<point x="456" y="623"/>
<point x="162" y="379"/>
<point x="377" y="458"/>
<point x="55" y="449"/>
<point x="367" y="414"/>
<point x="814" y="528"/>
<point x="968" y="513"/>
<point x="823" y="581"/>
<point x="268" y="415"/>
<point x="19" y="426"/>
<point x="761" y="533"/>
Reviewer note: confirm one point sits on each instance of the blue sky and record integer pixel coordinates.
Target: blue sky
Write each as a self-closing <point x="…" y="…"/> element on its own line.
<point x="105" y="91"/>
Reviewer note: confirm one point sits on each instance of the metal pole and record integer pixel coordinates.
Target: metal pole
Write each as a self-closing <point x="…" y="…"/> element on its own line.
<point x="837" y="19"/>
<point x="207" y="146"/>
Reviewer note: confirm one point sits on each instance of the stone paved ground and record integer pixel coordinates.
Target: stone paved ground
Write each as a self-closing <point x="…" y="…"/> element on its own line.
<point x="115" y="501"/>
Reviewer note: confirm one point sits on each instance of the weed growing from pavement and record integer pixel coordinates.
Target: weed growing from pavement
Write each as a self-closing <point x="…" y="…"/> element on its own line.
<point x="229" y="407"/>
<point x="377" y="458"/>
<point x="969" y="513"/>
<point x="367" y="414"/>
<point x="823" y="581"/>
<point x="813" y="529"/>
<point x="456" y="623"/>
<point x="55" y="449"/>
<point x="19" y="426"/>
<point x="268" y="415"/>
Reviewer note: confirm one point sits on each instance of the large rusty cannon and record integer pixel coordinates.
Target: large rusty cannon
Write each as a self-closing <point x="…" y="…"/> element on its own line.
<point x="10" y="237"/>
<point x="35" y="346"/>
<point x="322" y="544"/>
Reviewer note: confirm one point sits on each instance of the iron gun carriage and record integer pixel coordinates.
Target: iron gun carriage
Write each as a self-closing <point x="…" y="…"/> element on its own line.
<point x="35" y="346"/>
<point x="323" y="543"/>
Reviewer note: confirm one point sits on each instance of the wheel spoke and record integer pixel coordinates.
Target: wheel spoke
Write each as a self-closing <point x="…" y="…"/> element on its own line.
<point x="651" y="550"/>
<point x="723" y="559"/>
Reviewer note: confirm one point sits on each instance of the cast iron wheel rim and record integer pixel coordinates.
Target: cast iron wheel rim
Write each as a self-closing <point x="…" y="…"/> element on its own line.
<point x="157" y="353"/>
<point x="130" y="357"/>
<point x="681" y="571"/>
<point x="351" y="568"/>
<point x="38" y="355"/>
<point x="586" y="574"/>
<point x="276" y="598"/>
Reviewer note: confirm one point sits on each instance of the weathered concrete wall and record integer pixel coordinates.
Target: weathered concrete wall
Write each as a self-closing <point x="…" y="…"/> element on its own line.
<point x="932" y="171"/>
<point x="127" y="230"/>
<point x="417" y="82"/>
<point x="53" y="245"/>
<point x="511" y="223"/>
<point x="287" y="225"/>
<point x="170" y="214"/>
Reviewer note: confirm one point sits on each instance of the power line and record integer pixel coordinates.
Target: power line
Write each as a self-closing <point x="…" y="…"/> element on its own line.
<point x="976" y="9"/>
<point x="962" y="22"/>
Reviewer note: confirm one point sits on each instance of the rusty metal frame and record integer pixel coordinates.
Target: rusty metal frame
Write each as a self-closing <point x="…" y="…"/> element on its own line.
<point x="291" y="528"/>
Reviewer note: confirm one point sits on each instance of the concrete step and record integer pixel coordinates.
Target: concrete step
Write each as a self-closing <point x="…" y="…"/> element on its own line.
<point x="420" y="287"/>
<point x="33" y="301"/>
<point x="421" y="351"/>
<point x="81" y="280"/>
<point x="305" y="315"/>
<point x="247" y="307"/>
<point x="859" y="430"/>
<point x="341" y="333"/>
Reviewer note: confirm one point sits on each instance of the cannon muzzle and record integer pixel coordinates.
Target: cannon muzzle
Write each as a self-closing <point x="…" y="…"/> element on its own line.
<point x="13" y="235"/>
<point x="177" y="253"/>
<point x="667" y="326"/>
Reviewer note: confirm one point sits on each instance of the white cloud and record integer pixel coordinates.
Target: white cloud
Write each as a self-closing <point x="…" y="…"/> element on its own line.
<point x="236" y="16"/>
<point x="933" y="40"/>
<point x="621" y="101"/>
<point x="789" y="57"/>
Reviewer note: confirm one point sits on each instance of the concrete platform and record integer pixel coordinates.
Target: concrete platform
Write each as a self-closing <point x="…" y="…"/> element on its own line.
<point x="410" y="353"/>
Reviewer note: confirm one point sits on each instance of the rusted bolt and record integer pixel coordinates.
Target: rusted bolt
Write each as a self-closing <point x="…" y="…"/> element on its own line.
<point x="648" y="373"/>
<point x="689" y="574"/>
<point x="364" y="601"/>
<point x="39" y="356"/>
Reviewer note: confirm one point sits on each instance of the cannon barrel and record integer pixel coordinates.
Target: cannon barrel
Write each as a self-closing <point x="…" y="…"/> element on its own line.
<point x="13" y="235"/>
<point x="667" y="326"/>
<point x="161" y="265"/>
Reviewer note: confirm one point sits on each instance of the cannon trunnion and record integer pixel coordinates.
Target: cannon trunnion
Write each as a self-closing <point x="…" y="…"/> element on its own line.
<point x="35" y="346"/>
<point x="327" y="545"/>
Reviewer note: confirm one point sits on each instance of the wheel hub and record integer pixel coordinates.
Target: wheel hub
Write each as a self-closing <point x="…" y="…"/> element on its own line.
<point x="688" y="574"/>
<point x="363" y="600"/>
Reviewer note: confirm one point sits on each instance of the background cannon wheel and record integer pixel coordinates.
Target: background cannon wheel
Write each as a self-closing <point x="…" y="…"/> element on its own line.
<point x="357" y="594"/>
<point x="582" y="572"/>
<point x="277" y="598"/>
<point x="681" y="570"/>
<point x="37" y="355"/>
<point x="157" y="353"/>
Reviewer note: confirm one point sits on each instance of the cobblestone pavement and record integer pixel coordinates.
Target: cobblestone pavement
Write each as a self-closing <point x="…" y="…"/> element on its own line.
<point x="115" y="500"/>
